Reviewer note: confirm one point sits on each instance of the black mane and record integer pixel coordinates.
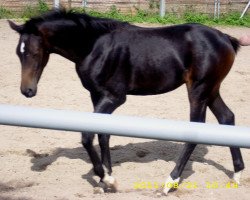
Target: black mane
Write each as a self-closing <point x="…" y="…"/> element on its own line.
<point x="81" y="19"/>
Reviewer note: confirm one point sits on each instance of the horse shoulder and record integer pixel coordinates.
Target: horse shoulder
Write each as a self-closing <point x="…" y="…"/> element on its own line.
<point x="103" y="67"/>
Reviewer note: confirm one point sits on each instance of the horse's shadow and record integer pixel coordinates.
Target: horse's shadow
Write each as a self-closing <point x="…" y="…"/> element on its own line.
<point x="144" y="152"/>
<point x="7" y="188"/>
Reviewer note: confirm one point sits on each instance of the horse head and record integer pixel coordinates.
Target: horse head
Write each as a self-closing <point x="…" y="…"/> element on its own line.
<point x="33" y="55"/>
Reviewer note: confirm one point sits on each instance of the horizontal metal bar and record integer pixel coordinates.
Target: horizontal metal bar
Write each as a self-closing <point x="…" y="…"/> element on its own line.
<point x="223" y="135"/>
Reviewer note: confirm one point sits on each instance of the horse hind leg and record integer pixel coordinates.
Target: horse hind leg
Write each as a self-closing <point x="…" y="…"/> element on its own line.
<point x="225" y="116"/>
<point x="174" y="177"/>
<point x="197" y="114"/>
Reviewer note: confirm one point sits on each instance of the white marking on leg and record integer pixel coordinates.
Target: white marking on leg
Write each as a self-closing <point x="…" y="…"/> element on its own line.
<point x="22" y="46"/>
<point x="110" y="181"/>
<point x="105" y="169"/>
<point x="169" y="184"/>
<point x="237" y="176"/>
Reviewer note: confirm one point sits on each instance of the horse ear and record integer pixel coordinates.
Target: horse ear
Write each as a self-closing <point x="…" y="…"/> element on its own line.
<point x="15" y="27"/>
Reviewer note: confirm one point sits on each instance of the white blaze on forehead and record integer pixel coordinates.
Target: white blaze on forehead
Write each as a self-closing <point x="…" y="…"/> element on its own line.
<point x="22" y="46"/>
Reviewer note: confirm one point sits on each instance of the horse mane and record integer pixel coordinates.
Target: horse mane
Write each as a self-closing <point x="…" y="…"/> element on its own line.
<point x="81" y="19"/>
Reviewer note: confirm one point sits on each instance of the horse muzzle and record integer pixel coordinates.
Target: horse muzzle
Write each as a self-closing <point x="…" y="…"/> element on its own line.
<point x="28" y="92"/>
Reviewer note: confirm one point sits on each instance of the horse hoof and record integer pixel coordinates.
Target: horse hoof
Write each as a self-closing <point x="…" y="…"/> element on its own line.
<point x="98" y="190"/>
<point x="169" y="184"/>
<point x="111" y="183"/>
<point x="237" y="176"/>
<point x="158" y="194"/>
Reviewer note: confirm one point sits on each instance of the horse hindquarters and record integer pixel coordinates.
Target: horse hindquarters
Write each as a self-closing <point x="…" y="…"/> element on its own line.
<point x="203" y="90"/>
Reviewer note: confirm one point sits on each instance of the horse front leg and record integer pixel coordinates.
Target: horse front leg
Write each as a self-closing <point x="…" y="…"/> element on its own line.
<point x="104" y="104"/>
<point x="87" y="142"/>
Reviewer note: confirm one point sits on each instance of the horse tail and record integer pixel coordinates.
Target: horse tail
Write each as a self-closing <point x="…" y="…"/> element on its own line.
<point x="235" y="43"/>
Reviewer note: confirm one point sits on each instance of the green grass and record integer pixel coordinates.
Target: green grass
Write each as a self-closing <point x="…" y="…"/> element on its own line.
<point x="27" y="12"/>
<point x="232" y="19"/>
<point x="5" y="13"/>
<point x="31" y="11"/>
<point x="141" y="16"/>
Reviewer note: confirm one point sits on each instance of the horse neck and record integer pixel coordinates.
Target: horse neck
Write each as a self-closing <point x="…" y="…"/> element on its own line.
<point x="79" y="41"/>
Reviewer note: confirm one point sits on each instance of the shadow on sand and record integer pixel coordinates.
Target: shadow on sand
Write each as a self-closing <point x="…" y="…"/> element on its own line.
<point x="144" y="152"/>
<point x="9" y="187"/>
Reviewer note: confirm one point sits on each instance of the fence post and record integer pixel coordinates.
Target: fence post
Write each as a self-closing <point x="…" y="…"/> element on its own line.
<point x="216" y="9"/>
<point x="56" y="4"/>
<point x="245" y="10"/>
<point x="69" y="4"/>
<point x="218" y="14"/>
<point x="84" y="3"/>
<point x="162" y="8"/>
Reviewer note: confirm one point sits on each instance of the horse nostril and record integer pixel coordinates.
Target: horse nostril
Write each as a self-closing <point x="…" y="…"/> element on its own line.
<point x="29" y="92"/>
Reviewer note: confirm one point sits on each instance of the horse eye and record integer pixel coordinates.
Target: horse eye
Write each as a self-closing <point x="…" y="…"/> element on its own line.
<point x="35" y="54"/>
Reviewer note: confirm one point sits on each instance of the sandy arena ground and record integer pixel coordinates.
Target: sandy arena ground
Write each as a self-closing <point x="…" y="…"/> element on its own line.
<point x="38" y="164"/>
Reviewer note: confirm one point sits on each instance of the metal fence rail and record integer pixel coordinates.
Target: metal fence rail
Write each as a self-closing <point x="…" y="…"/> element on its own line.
<point x="128" y="126"/>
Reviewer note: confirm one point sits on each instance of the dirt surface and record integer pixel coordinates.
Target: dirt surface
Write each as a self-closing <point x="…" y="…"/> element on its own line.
<point x="38" y="164"/>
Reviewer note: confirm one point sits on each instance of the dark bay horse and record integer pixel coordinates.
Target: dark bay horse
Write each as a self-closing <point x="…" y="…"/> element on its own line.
<point x="114" y="59"/>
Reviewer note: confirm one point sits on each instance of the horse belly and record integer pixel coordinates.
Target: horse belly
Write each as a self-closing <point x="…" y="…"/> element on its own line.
<point x="151" y="80"/>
